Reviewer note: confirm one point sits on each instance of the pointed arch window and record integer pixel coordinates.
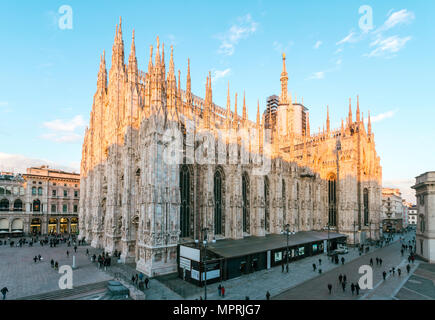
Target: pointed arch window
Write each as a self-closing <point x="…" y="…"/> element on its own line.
<point x="332" y="201"/>
<point x="218" y="202"/>
<point x="245" y="199"/>
<point x="185" y="201"/>
<point x="366" y="206"/>
<point x="267" y="203"/>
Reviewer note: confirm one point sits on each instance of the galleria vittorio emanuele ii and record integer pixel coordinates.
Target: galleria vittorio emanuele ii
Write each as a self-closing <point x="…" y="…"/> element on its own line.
<point x="163" y="167"/>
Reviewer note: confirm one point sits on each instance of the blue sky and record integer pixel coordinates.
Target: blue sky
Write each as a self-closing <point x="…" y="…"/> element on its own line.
<point x="48" y="75"/>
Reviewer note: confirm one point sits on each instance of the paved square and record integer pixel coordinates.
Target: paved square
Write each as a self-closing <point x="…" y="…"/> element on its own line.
<point x="23" y="277"/>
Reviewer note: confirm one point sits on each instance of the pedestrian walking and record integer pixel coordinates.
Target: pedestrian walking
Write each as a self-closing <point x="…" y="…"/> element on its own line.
<point x="320" y="262"/>
<point x="401" y="252"/>
<point x="343" y="284"/>
<point x="314" y="267"/>
<point x="56" y="265"/>
<point x="67" y="253"/>
<point x="340" y="278"/>
<point x="330" y="288"/>
<point x="223" y="292"/>
<point x="357" y="288"/>
<point x="377" y="261"/>
<point x="384" y="275"/>
<point x="380" y="262"/>
<point x="412" y="259"/>
<point x="371" y="262"/>
<point x="146" y="282"/>
<point x="352" y="288"/>
<point x="4" y="291"/>
<point x="408" y="268"/>
<point x="219" y="290"/>
<point x="394" y="271"/>
<point x="35" y="258"/>
<point x="52" y="263"/>
<point x="87" y="252"/>
<point x="399" y="271"/>
<point x="342" y="260"/>
<point x="344" y="279"/>
<point x="267" y="295"/>
<point x="39" y="257"/>
<point x="75" y="249"/>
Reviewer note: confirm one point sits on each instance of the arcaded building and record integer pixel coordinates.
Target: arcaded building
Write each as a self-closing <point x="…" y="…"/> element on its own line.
<point x="162" y="166"/>
<point x="41" y="201"/>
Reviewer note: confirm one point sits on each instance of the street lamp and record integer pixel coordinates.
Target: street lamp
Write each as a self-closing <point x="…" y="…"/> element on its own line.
<point x="287" y="232"/>
<point x="205" y="243"/>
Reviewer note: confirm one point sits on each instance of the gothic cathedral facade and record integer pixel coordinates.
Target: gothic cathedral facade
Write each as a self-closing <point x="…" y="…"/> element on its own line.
<point x="234" y="177"/>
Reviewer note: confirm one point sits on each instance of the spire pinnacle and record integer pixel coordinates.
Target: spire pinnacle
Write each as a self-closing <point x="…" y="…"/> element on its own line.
<point x="357" y="109"/>
<point x="327" y="119"/>
<point x="369" y="125"/>
<point x="244" y="106"/>
<point x="307" y="131"/>
<point x="235" y="120"/>
<point x="350" y="110"/>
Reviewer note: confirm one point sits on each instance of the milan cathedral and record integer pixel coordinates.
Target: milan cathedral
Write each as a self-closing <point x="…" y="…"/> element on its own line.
<point x="230" y="176"/>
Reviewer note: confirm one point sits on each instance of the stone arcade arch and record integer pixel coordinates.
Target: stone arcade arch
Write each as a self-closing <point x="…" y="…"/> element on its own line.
<point x="18" y="205"/>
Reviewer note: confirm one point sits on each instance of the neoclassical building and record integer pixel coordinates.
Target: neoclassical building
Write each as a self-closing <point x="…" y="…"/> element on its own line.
<point x="160" y="166"/>
<point x="41" y="201"/>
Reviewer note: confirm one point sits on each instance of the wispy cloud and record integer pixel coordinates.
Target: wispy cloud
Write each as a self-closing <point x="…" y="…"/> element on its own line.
<point x="244" y="27"/>
<point x="18" y="163"/>
<point x="64" y="131"/>
<point x="220" y="74"/>
<point x="4" y="104"/>
<point x="388" y="46"/>
<point x="318" y="44"/>
<point x="65" y="125"/>
<point x="62" y="138"/>
<point x="404" y="186"/>
<point x="350" y="38"/>
<point x="280" y="47"/>
<point x="381" y="116"/>
<point x="317" y="75"/>
<point x="396" y="18"/>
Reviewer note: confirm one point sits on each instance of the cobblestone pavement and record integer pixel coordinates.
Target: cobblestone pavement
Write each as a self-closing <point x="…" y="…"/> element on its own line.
<point x="23" y="277"/>
<point x="316" y="289"/>
<point x="420" y="285"/>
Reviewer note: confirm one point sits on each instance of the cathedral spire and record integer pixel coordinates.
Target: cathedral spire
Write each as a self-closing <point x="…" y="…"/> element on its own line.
<point x="118" y="48"/>
<point x="171" y="62"/>
<point x="284" y="83"/>
<point x="228" y="120"/>
<point x="188" y="85"/>
<point x="157" y="57"/>
<point x="327" y="120"/>
<point x="235" y="120"/>
<point x="244" y="108"/>
<point x="102" y="73"/>
<point x="369" y="126"/>
<point x="132" y="62"/>
<point x="350" y="111"/>
<point x="150" y="63"/>
<point x="357" y="109"/>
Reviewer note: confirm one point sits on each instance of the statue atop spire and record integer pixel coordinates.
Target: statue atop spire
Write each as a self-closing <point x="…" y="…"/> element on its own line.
<point x="235" y="120"/>
<point x="284" y="83"/>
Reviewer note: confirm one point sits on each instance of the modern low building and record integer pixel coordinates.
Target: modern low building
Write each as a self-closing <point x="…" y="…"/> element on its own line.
<point x="425" y="238"/>
<point x="41" y="201"/>
<point x="392" y="210"/>
<point x="227" y="259"/>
